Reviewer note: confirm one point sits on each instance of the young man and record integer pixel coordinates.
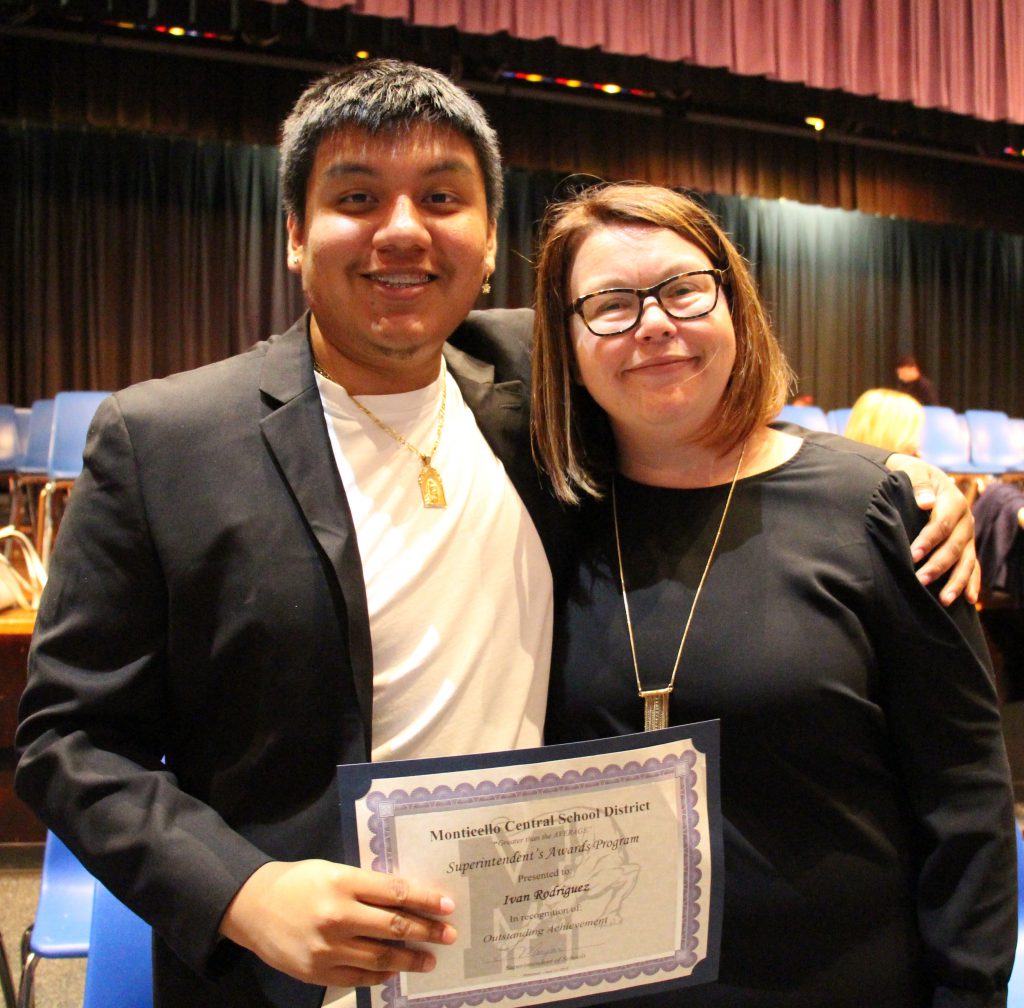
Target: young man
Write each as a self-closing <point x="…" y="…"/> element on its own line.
<point x="331" y="548"/>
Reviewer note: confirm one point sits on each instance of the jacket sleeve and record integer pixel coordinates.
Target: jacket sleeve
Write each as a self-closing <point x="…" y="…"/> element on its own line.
<point x="94" y="716"/>
<point x="938" y="694"/>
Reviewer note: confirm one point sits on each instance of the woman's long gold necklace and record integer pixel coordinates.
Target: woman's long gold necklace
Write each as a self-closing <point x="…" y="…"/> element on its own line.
<point x="431" y="487"/>
<point x="656" y="701"/>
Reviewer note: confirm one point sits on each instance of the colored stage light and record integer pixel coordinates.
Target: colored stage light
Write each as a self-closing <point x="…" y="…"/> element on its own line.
<point x="572" y="82"/>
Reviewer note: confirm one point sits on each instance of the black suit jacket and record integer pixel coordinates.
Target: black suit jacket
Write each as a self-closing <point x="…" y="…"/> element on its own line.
<point x="202" y="656"/>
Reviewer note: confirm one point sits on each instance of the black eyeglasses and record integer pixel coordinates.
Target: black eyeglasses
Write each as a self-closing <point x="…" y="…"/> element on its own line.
<point x="618" y="309"/>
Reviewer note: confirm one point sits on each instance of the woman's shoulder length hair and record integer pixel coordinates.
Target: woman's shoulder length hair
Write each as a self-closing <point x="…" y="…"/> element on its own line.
<point x="571" y="435"/>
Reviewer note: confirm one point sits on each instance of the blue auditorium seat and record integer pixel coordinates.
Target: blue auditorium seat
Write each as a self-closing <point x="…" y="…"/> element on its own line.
<point x="63" y="914"/>
<point x="838" y="419"/>
<point x="992" y="441"/>
<point x="72" y="415"/>
<point x="945" y="442"/>
<point x="1017" y="436"/>
<point x="811" y="417"/>
<point x="10" y="442"/>
<point x="30" y="474"/>
<point x="1015" y="995"/>
<point x="119" y="970"/>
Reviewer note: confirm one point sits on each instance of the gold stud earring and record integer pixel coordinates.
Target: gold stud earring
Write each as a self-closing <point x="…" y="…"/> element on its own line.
<point x="486" y="288"/>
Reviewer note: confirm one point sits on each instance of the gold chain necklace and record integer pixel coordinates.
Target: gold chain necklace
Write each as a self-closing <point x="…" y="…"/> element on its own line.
<point x="431" y="487"/>
<point x="656" y="700"/>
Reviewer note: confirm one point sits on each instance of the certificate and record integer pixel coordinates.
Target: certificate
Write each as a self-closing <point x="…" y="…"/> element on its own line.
<point x="580" y="872"/>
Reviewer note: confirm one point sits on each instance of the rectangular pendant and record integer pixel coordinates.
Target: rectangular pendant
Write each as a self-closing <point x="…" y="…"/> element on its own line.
<point x="656" y="708"/>
<point x="431" y="488"/>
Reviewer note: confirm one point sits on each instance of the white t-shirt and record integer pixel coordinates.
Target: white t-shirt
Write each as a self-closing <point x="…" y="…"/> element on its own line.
<point x="459" y="598"/>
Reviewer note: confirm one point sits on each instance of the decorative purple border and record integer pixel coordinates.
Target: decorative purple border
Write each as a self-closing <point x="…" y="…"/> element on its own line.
<point x="384" y="807"/>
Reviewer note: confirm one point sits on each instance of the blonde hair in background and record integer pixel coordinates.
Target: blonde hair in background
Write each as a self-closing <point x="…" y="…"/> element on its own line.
<point x="887" y="419"/>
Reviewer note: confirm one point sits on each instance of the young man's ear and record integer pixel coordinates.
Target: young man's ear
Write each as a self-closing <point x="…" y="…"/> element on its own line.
<point x="296" y="244"/>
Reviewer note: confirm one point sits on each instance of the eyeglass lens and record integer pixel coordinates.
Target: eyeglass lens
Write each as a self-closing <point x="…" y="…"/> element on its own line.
<point x="687" y="296"/>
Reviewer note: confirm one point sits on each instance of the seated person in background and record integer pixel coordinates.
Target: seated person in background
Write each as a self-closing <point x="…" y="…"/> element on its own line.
<point x="910" y="380"/>
<point x="868" y="817"/>
<point x="999" y="525"/>
<point x="887" y="419"/>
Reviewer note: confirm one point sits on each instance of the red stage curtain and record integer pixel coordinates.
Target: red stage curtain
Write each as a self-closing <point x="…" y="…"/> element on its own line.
<point x="960" y="56"/>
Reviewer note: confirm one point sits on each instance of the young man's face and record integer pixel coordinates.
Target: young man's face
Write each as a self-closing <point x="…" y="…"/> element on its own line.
<point x="393" y="251"/>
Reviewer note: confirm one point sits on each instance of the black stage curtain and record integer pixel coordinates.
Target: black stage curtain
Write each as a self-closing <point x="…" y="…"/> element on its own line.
<point x="131" y="256"/>
<point x="176" y="90"/>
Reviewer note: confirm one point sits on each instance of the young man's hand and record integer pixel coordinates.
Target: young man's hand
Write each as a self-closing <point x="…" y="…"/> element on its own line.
<point x="948" y="538"/>
<point x="334" y="925"/>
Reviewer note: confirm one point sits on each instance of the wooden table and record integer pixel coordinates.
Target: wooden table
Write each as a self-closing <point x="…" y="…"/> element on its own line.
<point x="17" y="823"/>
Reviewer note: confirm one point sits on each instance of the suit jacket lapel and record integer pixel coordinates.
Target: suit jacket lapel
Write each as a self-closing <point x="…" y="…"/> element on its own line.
<point x="296" y="434"/>
<point x="500" y="410"/>
<point x="503" y="416"/>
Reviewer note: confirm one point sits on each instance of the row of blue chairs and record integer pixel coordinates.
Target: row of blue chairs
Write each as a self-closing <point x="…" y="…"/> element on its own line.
<point x="972" y="443"/>
<point x="76" y="916"/>
<point x="40" y="456"/>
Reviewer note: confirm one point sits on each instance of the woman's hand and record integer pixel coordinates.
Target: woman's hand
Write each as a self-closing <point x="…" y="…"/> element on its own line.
<point x="333" y="925"/>
<point x="949" y="534"/>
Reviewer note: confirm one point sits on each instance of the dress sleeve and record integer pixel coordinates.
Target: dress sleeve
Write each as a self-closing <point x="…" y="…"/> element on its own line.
<point x="95" y="715"/>
<point x="938" y="694"/>
<point x="836" y="442"/>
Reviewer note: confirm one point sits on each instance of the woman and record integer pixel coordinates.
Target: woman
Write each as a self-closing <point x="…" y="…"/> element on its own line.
<point x="887" y="419"/>
<point x="869" y="853"/>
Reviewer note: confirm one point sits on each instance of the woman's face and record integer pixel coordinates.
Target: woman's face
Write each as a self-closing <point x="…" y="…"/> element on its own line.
<point x="665" y="377"/>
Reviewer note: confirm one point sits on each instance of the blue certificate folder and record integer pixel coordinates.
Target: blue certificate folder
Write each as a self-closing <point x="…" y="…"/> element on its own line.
<point x="581" y="873"/>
